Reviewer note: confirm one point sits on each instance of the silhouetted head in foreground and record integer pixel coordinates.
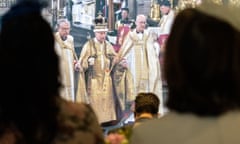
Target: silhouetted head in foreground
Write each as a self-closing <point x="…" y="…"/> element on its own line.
<point x="202" y="64"/>
<point x="29" y="74"/>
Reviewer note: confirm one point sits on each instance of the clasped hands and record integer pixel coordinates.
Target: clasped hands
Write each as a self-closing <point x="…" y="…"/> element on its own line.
<point x="116" y="60"/>
<point x="91" y="62"/>
<point x="78" y="67"/>
<point x="121" y="61"/>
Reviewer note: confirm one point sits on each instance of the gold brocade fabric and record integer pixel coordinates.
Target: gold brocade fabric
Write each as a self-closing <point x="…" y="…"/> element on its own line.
<point x="81" y="94"/>
<point x="143" y="63"/>
<point x="234" y="3"/>
<point x="66" y="53"/>
<point x="99" y="83"/>
<point x="123" y="85"/>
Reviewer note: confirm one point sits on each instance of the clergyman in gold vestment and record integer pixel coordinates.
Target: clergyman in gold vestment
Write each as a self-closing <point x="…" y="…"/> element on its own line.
<point x="66" y="52"/>
<point x="95" y="65"/>
<point x="142" y="60"/>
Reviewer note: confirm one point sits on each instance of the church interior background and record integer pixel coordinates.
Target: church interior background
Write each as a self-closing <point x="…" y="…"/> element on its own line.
<point x="82" y="12"/>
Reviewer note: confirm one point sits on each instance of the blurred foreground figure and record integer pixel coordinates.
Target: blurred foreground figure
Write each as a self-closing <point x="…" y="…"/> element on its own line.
<point x="202" y="68"/>
<point x="31" y="109"/>
<point x="146" y="108"/>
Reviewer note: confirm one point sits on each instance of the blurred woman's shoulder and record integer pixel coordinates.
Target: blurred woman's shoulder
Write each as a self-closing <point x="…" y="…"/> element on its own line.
<point x="78" y="124"/>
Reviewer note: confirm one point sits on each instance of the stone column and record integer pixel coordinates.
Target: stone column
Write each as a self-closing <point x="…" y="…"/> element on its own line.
<point x="132" y="5"/>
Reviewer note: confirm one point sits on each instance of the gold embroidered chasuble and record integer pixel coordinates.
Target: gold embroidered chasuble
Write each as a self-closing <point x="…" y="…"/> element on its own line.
<point x="98" y="79"/>
<point x="124" y="90"/>
<point x="142" y="59"/>
<point x="66" y="52"/>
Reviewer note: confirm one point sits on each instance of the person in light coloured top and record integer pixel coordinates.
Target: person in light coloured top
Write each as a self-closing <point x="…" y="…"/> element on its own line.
<point x="202" y="69"/>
